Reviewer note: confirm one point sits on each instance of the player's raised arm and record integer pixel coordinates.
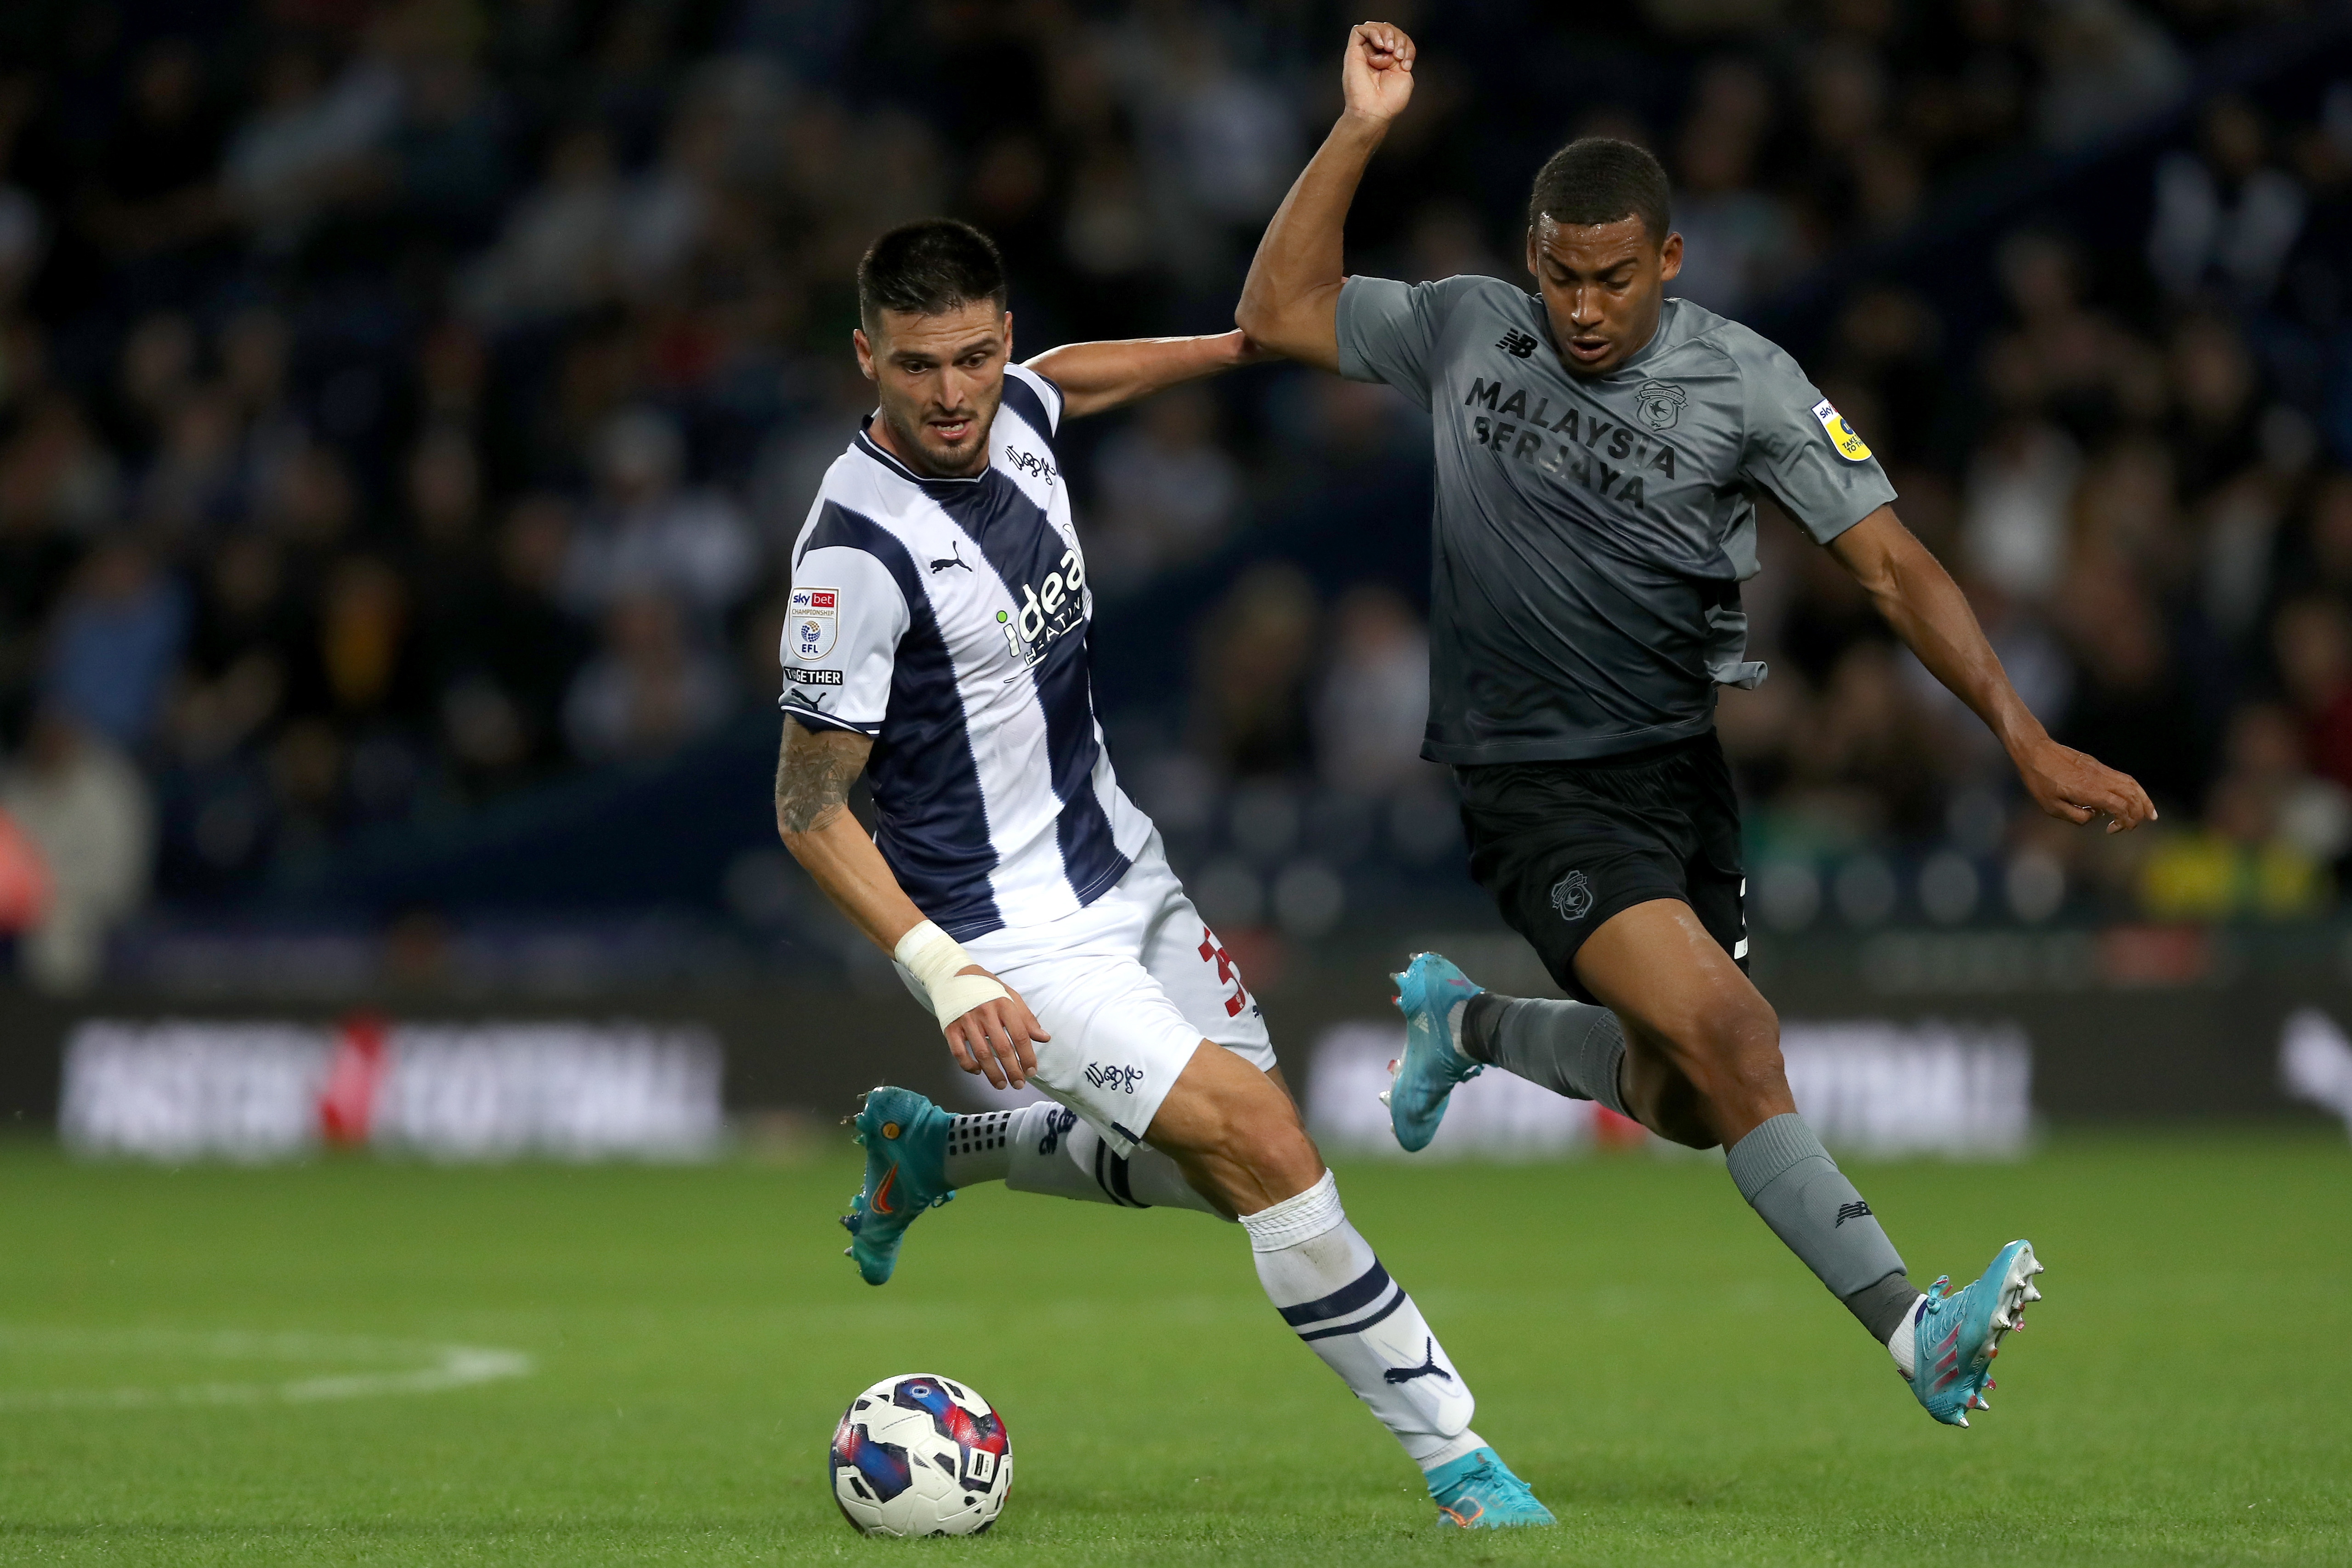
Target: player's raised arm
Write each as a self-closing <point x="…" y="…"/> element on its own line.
<point x="1290" y="302"/>
<point x="1928" y="612"/>
<point x="1096" y="377"/>
<point x="988" y="1026"/>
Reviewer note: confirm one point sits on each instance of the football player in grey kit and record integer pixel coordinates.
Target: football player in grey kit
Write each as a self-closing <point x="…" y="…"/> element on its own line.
<point x="1599" y="448"/>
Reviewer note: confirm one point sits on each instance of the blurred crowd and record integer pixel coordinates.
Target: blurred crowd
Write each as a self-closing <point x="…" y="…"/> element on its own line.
<point x="2145" y="492"/>
<point x="407" y="401"/>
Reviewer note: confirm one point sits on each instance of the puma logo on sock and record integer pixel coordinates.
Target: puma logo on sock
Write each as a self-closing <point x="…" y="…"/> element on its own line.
<point x="1428" y="1368"/>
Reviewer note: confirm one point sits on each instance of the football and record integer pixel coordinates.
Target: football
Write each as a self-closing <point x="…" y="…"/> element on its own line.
<point x="921" y="1455"/>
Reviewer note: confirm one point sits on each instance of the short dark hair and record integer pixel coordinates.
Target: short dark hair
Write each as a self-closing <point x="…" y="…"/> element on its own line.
<point x="1600" y="179"/>
<point x="929" y="268"/>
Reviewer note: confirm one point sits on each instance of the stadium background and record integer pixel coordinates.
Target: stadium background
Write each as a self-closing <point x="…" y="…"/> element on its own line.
<point x="404" y="410"/>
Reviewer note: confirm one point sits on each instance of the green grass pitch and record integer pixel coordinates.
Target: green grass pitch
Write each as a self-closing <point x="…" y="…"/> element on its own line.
<point x="1671" y="1380"/>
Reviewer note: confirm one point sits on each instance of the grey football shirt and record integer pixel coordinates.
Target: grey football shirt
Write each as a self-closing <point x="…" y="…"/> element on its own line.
<point x="1590" y="534"/>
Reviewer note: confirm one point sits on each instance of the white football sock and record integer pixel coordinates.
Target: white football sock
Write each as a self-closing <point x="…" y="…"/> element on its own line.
<point x="1323" y="1279"/>
<point x="1903" y="1343"/>
<point x="1454" y="1027"/>
<point x="1046" y="1148"/>
<point x="980" y="1147"/>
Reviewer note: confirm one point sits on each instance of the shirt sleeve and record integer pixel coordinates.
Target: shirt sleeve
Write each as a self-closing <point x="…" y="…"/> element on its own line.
<point x="1801" y="449"/>
<point x="841" y="626"/>
<point x="1045" y="389"/>
<point x="1389" y="331"/>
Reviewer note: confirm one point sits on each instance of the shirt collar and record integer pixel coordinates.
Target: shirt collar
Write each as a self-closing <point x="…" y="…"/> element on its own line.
<point x="1658" y="338"/>
<point x="864" y="442"/>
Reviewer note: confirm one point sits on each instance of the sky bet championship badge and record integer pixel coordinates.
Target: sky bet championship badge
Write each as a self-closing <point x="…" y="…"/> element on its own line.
<point x="816" y="614"/>
<point x="1850" y="446"/>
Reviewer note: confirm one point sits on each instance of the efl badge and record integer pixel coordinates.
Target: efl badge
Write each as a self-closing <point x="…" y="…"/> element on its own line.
<point x="814" y="615"/>
<point x="1658" y="405"/>
<point x="1850" y="446"/>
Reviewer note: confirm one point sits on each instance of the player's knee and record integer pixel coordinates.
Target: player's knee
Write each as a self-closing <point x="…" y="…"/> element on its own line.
<point x="1684" y="1119"/>
<point x="1742" y="1051"/>
<point x="1262" y="1134"/>
<point x="1761" y="1082"/>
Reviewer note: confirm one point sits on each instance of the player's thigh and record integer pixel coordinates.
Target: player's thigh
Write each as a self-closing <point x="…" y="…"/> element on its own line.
<point x="1656" y="964"/>
<point x="1223" y="1101"/>
<point x="1687" y="1006"/>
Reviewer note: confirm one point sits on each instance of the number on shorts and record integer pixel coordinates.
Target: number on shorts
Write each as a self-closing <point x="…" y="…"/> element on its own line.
<point x="1212" y="951"/>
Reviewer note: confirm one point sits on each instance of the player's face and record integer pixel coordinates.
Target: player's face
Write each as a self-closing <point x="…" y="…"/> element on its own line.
<point x="1603" y="285"/>
<point x="939" y="379"/>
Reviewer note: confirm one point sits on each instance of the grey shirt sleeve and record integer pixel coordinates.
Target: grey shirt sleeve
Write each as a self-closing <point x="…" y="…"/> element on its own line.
<point x="1388" y="331"/>
<point x="1801" y="449"/>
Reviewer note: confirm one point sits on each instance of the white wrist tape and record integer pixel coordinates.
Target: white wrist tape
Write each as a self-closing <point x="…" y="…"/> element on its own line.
<point x="933" y="957"/>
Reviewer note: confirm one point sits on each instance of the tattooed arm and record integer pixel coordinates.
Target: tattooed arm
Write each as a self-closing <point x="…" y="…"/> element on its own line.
<point x="814" y="769"/>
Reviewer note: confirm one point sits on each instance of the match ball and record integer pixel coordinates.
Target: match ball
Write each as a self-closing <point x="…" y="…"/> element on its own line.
<point x="921" y="1455"/>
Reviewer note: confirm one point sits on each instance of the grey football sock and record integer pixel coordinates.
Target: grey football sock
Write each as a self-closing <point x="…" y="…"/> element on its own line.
<point x="1788" y="1178"/>
<point x="1570" y="1047"/>
<point x="1882" y="1307"/>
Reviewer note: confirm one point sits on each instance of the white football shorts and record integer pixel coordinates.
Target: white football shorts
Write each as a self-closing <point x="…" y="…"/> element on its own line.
<point x="1128" y="988"/>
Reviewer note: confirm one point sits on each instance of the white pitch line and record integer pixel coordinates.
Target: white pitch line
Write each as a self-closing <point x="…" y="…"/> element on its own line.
<point x="447" y="1366"/>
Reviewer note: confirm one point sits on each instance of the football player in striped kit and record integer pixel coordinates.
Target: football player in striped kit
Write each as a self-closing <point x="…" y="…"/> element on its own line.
<point x="937" y="643"/>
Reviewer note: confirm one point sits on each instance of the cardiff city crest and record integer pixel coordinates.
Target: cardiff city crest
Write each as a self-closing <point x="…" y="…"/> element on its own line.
<point x="1571" y="895"/>
<point x="1659" y="404"/>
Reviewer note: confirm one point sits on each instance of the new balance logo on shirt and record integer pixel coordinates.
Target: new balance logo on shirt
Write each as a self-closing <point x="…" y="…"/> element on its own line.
<point x="1850" y="1211"/>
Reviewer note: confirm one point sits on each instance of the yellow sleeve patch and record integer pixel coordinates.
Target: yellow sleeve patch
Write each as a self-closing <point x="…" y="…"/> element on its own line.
<point x="1850" y="446"/>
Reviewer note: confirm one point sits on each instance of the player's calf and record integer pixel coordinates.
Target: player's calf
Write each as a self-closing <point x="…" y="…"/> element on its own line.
<point x="1725" y="1072"/>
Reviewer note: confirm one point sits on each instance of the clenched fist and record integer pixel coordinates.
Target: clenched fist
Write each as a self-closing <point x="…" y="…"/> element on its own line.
<point x="1377" y="74"/>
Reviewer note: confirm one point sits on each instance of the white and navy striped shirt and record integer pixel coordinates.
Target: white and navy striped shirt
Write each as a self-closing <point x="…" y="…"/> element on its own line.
<point x="949" y="620"/>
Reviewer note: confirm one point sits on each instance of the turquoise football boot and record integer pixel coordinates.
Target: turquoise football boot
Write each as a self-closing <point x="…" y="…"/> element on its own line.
<point x="1955" y="1338"/>
<point x="906" y="1139"/>
<point x="1421" y="1079"/>
<point x="1478" y="1491"/>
